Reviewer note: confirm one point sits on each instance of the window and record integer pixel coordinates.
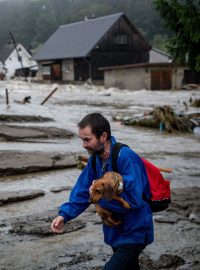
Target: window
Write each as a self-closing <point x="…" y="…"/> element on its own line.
<point x="66" y="67"/>
<point x="121" y="39"/>
<point x="46" y="70"/>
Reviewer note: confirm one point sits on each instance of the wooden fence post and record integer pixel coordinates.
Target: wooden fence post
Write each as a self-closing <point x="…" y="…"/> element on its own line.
<point x="7" y="97"/>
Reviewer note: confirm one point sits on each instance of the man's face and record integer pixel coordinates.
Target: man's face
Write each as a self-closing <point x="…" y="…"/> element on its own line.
<point x="90" y="142"/>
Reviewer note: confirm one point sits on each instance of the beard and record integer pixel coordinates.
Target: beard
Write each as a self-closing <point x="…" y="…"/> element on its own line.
<point x="97" y="150"/>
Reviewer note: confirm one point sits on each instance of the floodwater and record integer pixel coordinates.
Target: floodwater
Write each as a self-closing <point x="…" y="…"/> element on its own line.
<point x="67" y="106"/>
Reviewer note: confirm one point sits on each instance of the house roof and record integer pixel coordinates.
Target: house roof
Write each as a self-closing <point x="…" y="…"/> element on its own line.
<point x="140" y="65"/>
<point x="76" y="39"/>
<point x="6" y="52"/>
<point x="157" y="56"/>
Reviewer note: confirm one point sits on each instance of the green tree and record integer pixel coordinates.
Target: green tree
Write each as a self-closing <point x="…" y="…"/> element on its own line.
<point x="33" y="21"/>
<point x="182" y="17"/>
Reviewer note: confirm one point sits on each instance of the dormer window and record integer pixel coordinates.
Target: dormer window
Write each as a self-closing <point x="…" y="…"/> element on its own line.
<point x="121" y="39"/>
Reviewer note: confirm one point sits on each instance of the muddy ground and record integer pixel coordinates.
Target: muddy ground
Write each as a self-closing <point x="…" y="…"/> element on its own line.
<point x="81" y="245"/>
<point x="38" y="171"/>
<point x="176" y="246"/>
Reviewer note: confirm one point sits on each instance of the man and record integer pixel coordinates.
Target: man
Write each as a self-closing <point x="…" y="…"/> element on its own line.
<point x="129" y="238"/>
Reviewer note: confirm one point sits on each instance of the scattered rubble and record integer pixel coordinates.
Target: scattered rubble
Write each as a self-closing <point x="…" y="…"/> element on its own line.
<point x="165" y="119"/>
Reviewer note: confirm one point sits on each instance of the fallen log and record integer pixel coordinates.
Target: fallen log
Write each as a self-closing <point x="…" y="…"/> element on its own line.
<point x="84" y="159"/>
<point x="52" y="92"/>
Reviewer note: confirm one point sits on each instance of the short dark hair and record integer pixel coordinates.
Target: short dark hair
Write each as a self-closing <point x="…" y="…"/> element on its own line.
<point x="98" y="124"/>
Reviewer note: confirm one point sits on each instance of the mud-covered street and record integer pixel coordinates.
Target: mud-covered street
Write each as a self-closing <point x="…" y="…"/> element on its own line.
<point x="38" y="168"/>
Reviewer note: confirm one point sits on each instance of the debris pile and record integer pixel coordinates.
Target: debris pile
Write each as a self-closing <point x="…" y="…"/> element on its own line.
<point x="165" y="119"/>
<point x="196" y="103"/>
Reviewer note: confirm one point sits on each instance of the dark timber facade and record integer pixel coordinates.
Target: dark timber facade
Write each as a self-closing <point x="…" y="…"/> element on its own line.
<point x="86" y="46"/>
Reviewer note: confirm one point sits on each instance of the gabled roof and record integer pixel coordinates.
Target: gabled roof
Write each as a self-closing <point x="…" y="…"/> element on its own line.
<point x="6" y="52"/>
<point x="157" y="56"/>
<point x="76" y="39"/>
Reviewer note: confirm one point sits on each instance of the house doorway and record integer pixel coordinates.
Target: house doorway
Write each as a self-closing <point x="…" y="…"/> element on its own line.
<point x="56" y="72"/>
<point x="161" y="79"/>
<point x="81" y="70"/>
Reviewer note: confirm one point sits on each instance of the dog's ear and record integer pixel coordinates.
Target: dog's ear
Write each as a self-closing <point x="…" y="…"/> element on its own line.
<point x="108" y="192"/>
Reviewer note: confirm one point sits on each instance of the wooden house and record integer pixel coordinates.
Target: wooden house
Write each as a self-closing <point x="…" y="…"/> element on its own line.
<point x="16" y="61"/>
<point x="76" y="51"/>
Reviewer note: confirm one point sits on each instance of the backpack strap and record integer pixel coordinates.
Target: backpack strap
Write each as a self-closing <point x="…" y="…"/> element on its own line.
<point x="115" y="152"/>
<point x="93" y="163"/>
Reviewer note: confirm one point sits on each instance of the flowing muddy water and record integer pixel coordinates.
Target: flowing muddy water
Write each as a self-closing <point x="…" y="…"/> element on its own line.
<point x="67" y="106"/>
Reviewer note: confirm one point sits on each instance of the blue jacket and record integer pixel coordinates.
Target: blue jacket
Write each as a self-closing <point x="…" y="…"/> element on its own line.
<point x="137" y="223"/>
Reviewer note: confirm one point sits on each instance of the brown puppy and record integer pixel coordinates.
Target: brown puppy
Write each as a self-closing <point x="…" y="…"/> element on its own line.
<point x="107" y="187"/>
<point x="106" y="216"/>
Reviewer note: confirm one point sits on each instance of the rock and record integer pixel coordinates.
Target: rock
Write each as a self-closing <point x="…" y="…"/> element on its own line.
<point x="77" y="259"/>
<point x="165" y="261"/>
<point x="195" y="215"/>
<point x="23" y="118"/>
<point x="185" y="205"/>
<point x="173" y="218"/>
<point x="20" y="195"/>
<point x="168" y="260"/>
<point x="187" y="266"/>
<point x="16" y="133"/>
<point x="59" y="189"/>
<point x="41" y="225"/>
<point x="16" y="162"/>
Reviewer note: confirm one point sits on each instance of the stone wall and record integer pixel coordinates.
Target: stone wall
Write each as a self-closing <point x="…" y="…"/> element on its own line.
<point x="130" y="78"/>
<point x="133" y="78"/>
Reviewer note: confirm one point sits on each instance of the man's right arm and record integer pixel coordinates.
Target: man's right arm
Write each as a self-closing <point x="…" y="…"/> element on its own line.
<point x="78" y="200"/>
<point x="57" y="225"/>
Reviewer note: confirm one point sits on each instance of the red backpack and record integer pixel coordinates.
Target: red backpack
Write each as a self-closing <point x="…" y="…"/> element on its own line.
<point x="159" y="187"/>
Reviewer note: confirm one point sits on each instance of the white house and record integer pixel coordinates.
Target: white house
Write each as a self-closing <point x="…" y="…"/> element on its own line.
<point x="16" y="61"/>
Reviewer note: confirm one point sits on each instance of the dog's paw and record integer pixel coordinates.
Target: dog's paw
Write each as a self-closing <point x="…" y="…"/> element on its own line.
<point x="126" y="205"/>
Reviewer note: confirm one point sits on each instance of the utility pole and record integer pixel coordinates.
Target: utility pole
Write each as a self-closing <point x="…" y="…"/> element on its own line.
<point x="18" y="56"/>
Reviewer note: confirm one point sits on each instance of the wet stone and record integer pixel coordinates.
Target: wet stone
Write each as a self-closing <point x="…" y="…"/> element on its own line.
<point x="165" y="261"/>
<point x="75" y="260"/>
<point x="59" y="189"/>
<point x="168" y="219"/>
<point x="20" y="195"/>
<point x="16" y="133"/>
<point x="185" y="206"/>
<point x="19" y="162"/>
<point x="41" y="225"/>
<point x="9" y="118"/>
